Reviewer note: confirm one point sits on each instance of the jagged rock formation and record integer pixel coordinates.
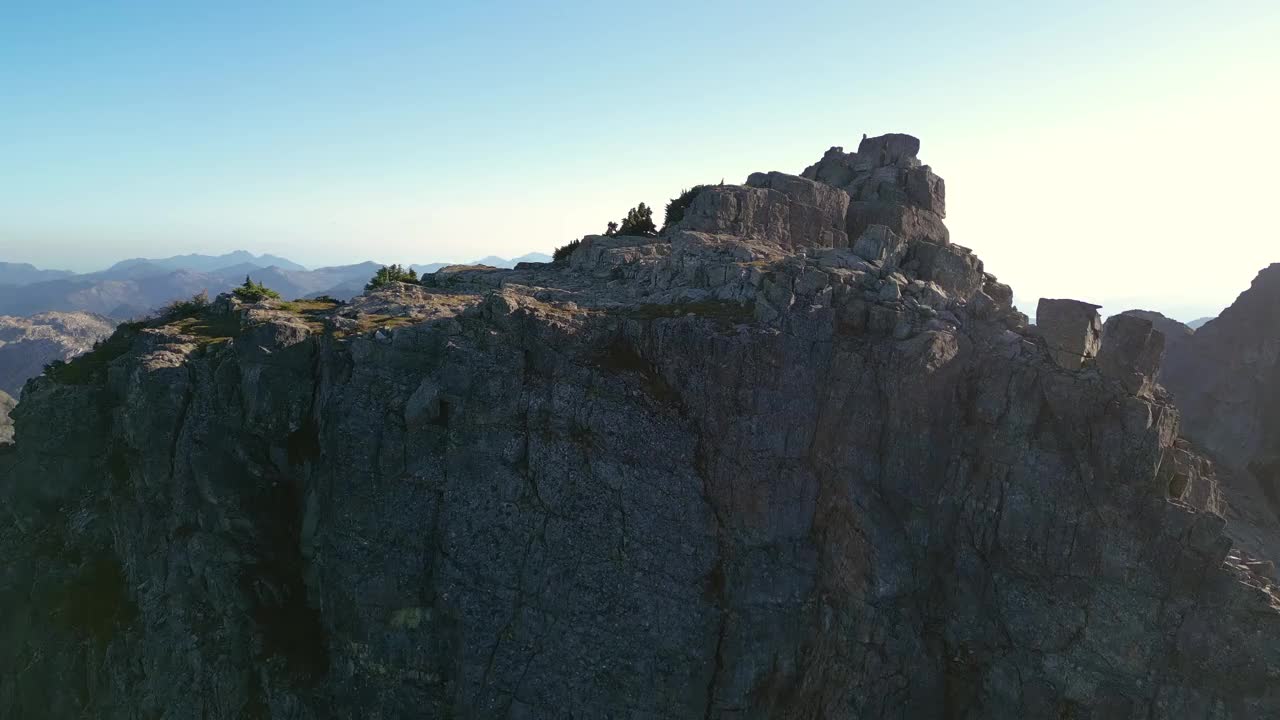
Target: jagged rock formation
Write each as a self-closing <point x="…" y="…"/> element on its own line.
<point x="741" y="471"/>
<point x="27" y="344"/>
<point x="1177" y="339"/>
<point x="1225" y="377"/>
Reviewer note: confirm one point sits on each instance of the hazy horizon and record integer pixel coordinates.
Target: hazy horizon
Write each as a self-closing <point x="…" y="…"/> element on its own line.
<point x="1120" y="167"/>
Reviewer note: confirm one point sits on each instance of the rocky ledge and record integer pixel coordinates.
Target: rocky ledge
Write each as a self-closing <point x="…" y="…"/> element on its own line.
<point x="798" y="457"/>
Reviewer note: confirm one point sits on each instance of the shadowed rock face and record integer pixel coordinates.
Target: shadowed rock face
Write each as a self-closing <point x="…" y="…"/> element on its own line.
<point x="1225" y="378"/>
<point x="711" y="475"/>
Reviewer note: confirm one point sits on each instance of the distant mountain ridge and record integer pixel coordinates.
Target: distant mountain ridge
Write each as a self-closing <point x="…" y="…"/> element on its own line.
<point x="134" y="287"/>
<point x="212" y="263"/>
<point x="26" y="273"/>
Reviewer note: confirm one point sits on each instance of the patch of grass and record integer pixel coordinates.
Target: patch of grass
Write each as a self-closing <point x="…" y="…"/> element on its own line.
<point x="314" y="311"/>
<point x="210" y="328"/>
<point x="309" y="306"/>
<point x="374" y="322"/>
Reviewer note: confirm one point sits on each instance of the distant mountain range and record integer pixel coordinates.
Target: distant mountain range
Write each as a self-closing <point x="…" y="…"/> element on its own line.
<point x="25" y="273"/>
<point x="134" y="287"/>
<point x="1198" y="322"/>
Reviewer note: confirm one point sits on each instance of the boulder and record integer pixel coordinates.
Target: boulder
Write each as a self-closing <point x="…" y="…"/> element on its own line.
<point x="1131" y="352"/>
<point x="1071" y="328"/>
<point x="953" y="267"/>
<point x="880" y="244"/>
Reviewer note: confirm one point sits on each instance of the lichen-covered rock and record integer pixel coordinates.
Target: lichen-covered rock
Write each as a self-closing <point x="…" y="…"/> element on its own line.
<point x="705" y="475"/>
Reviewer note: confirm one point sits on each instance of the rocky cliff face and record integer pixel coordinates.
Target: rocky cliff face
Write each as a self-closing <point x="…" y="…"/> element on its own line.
<point x="799" y="458"/>
<point x="27" y="344"/>
<point x="1225" y="377"/>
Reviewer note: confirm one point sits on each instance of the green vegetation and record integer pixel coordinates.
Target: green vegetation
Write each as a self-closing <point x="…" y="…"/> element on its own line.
<point x="314" y="311"/>
<point x="311" y="305"/>
<point x="252" y="292"/>
<point x="369" y="321"/>
<point x="562" y="253"/>
<point x="210" y="328"/>
<point x="677" y="206"/>
<point x="92" y="366"/>
<point x="639" y="221"/>
<point x="388" y="274"/>
<point x="179" y="309"/>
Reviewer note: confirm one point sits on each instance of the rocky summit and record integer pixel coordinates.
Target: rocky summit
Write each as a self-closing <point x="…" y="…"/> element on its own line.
<point x="796" y="457"/>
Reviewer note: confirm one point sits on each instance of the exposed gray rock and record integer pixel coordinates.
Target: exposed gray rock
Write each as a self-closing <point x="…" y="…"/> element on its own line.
<point x="879" y="244"/>
<point x="699" y="476"/>
<point x="888" y="186"/>
<point x="773" y="207"/>
<point x="7" y="403"/>
<point x="1131" y="352"/>
<point x="954" y="268"/>
<point x="1071" y="328"/>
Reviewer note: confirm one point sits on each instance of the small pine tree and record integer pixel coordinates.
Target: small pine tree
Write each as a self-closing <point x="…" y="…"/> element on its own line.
<point x="388" y="274"/>
<point x="639" y="221"/>
<point x="612" y="229"/>
<point x="252" y="292"/>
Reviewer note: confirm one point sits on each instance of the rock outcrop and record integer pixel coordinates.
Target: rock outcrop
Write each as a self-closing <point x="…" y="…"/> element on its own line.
<point x="7" y="403"/>
<point x="1071" y="328"/>
<point x="770" y="465"/>
<point x="1225" y="378"/>
<point x="1131" y="351"/>
<point x="27" y="344"/>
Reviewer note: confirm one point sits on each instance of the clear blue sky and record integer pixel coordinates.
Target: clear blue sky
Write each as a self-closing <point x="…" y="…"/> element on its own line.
<point x="1102" y="150"/>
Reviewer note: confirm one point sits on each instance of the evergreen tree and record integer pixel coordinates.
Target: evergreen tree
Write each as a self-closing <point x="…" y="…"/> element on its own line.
<point x="388" y="274"/>
<point x="677" y="207"/>
<point x="639" y="221"/>
<point x="252" y="292"/>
